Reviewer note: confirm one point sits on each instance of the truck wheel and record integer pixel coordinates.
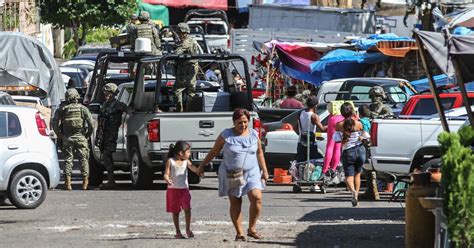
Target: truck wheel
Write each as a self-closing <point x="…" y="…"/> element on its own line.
<point x="141" y="175"/>
<point x="96" y="171"/>
<point x="27" y="189"/>
<point x="193" y="178"/>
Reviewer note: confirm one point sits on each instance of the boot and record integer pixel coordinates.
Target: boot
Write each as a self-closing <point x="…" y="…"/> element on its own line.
<point x="110" y="181"/>
<point x="67" y="182"/>
<point x="372" y="192"/>
<point x="85" y="183"/>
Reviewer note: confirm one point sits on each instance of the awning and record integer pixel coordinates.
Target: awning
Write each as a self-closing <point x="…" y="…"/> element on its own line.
<point x="157" y="12"/>
<point x="461" y="49"/>
<point x="372" y="40"/>
<point x="394" y="48"/>
<point x="206" y="4"/>
<point x="463" y="19"/>
<point x="436" y="46"/>
<point x="295" y="61"/>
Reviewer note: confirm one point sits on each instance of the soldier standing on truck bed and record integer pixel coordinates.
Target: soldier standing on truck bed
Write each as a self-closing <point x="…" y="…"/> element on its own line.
<point x="187" y="70"/>
<point x="110" y="118"/>
<point x="146" y="30"/>
<point x="379" y="110"/>
<point x="72" y="124"/>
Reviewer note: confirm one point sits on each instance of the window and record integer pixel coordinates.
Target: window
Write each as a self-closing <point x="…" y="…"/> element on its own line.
<point x="426" y="106"/>
<point x="216" y="29"/>
<point x="9" y="125"/>
<point x="360" y="93"/>
<point x="396" y="94"/>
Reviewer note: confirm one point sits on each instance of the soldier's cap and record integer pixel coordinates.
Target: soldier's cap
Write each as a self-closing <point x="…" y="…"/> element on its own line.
<point x="183" y="28"/>
<point x="144" y="16"/>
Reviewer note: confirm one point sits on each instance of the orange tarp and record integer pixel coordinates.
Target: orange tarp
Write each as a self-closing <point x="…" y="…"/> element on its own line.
<point x="394" y="48"/>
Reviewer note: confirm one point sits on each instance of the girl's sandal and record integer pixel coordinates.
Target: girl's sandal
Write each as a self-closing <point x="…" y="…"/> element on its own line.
<point x="179" y="236"/>
<point x="254" y="235"/>
<point x="239" y="238"/>
<point x="190" y="234"/>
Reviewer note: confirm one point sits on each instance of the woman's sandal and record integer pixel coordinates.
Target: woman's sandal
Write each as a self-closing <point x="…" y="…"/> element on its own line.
<point x="239" y="238"/>
<point x="254" y="235"/>
<point x="190" y="234"/>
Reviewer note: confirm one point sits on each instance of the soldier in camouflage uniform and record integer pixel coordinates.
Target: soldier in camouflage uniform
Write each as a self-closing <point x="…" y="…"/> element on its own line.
<point x="378" y="109"/>
<point x="146" y="30"/>
<point x="110" y="118"/>
<point x="186" y="71"/>
<point x="72" y="124"/>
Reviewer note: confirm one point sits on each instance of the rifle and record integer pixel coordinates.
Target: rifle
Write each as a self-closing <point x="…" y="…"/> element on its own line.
<point x="99" y="135"/>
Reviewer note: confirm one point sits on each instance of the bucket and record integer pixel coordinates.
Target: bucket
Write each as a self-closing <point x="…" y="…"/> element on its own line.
<point x="277" y="172"/>
<point x="282" y="179"/>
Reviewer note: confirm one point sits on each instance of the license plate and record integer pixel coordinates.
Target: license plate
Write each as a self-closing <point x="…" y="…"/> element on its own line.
<point x="201" y="155"/>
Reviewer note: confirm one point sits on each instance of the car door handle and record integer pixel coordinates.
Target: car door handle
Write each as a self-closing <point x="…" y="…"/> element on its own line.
<point x="12" y="147"/>
<point x="206" y="124"/>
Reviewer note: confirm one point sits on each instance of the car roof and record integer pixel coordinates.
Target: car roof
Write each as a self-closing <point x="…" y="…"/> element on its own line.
<point x="69" y="69"/>
<point x="25" y="97"/>
<point x="16" y="108"/>
<point x="79" y="62"/>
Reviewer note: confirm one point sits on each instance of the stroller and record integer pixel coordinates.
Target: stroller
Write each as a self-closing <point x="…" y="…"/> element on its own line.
<point x="309" y="173"/>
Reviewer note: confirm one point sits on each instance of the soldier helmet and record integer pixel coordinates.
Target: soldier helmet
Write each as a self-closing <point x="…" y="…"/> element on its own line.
<point x="110" y="87"/>
<point x="144" y="16"/>
<point x="134" y="17"/>
<point x="377" y="91"/>
<point x="72" y="95"/>
<point x="184" y="28"/>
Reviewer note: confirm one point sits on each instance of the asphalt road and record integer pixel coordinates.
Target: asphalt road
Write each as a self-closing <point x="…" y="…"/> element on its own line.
<point x="127" y="218"/>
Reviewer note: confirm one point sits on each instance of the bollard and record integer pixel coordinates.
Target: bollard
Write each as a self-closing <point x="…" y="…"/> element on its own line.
<point x="419" y="222"/>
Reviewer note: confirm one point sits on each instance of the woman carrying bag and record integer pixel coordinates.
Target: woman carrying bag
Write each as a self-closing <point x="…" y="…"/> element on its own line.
<point x="242" y="171"/>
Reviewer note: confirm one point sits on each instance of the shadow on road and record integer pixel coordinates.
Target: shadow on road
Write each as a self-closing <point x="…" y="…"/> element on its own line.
<point x="359" y="213"/>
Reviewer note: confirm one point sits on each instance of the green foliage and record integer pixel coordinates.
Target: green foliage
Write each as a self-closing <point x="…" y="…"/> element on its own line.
<point x="69" y="49"/>
<point x="458" y="179"/>
<point x="101" y="35"/>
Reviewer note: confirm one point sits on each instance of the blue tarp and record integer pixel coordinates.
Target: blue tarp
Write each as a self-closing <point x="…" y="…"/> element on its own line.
<point x="305" y="76"/>
<point x="372" y="40"/>
<point x="462" y="31"/>
<point x="440" y="80"/>
<point x="342" y="63"/>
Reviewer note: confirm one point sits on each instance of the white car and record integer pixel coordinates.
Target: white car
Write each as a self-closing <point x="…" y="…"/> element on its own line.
<point x="28" y="159"/>
<point x="28" y="99"/>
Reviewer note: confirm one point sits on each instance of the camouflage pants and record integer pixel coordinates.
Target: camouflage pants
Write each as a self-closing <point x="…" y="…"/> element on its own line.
<point x="185" y="80"/>
<point x="79" y="145"/>
<point x="110" y="145"/>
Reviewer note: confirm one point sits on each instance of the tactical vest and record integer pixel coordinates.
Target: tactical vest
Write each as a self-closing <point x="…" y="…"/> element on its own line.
<point x="73" y="121"/>
<point x="144" y="31"/>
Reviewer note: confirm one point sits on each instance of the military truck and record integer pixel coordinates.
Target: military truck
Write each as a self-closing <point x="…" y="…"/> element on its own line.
<point x="151" y="124"/>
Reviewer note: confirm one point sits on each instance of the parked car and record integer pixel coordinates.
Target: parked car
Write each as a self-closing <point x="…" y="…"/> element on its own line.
<point x="215" y="26"/>
<point x="80" y="63"/>
<point x="76" y="74"/>
<point x="424" y="105"/>
<point x="94" y="48"/>
<point x="28" y="160"/>
<point x="357" y="90"/>
<point x="28" y="99"/>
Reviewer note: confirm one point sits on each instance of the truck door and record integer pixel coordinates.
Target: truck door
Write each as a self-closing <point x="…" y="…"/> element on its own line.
<point x="125" y="96"/>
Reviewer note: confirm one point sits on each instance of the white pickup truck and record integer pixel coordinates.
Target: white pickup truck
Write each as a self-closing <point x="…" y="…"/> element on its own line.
<point x="401" y="145"/>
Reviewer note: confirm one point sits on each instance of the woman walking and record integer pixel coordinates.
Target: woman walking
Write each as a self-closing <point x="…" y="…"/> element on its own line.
<point x="242" y="171"/>
<point x="349" y="132"/>
<point x="307" y="122"/>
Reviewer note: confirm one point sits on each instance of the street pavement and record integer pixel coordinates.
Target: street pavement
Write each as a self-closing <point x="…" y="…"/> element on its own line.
<point x="124" y="217"/>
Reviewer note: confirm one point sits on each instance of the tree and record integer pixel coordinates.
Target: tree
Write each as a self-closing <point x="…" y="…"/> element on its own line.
<point x="83" y="15"/>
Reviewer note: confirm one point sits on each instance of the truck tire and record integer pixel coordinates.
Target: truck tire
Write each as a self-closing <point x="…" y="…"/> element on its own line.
<point x="27" y="189"/>
<point x="96" y="171"/>
<point x="193" y="178"/>
<point x="141" y="175"/>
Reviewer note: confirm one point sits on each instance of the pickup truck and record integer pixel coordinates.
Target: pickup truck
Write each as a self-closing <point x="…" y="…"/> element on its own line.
<point x="215" y="25"/>
<point x="423" y="104"/>
<point x="398" y="146"/>
<point x="150" y="124"/>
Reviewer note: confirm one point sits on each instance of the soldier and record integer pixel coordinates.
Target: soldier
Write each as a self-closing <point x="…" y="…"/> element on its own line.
<point x="110" y="118"/>
<point x="146" y="30"/>
<point x="378" y="109"/>
<point x="72" y="124"/>
<point x="186" y="71"/>
<point x="133" y="23"/>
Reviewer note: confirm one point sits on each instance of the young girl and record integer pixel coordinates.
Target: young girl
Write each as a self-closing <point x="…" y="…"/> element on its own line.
<point x="177" y="194"/>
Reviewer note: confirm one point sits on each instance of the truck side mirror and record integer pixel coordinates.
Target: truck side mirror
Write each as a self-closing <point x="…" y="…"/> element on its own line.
<point x="94" y="108"/>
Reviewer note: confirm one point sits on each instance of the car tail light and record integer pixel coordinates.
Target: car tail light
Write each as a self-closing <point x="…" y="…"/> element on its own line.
<point x="373" y="134"/>
<point x="257" y="125"/>
<point x="41" y="124"/>
<point x="154" y="131"/>
<point x="287" y="126"/>
<point x="228" y="43"/>
<point x="264" y="131"/>
<point x="169" y="84"/>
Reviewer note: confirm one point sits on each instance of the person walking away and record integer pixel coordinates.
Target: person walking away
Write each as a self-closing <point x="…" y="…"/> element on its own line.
<point x="349" y="132"/>
<point x="290" y="101"/>
<point x="332" y="156"/>
<point x="72" y="123"/>
<point x="186" y="71"/>
<point x="146" y="30"/>
<point x="110" y="118"/>
<point x="178" y="196"/>
<point x="242" y="171"/>
<point x="307" y="122"/>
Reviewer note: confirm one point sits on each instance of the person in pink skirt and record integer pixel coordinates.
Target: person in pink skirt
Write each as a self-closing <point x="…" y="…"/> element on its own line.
<point x="333" y="149"/>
